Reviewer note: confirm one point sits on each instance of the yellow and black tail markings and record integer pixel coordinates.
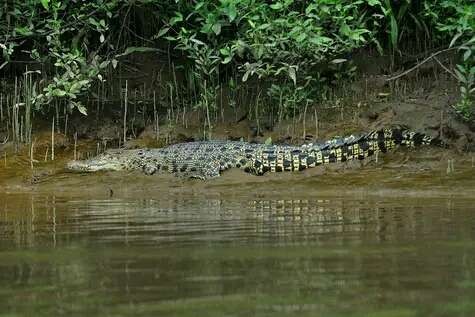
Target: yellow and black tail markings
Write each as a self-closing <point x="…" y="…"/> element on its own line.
<point x="279" y="159"/>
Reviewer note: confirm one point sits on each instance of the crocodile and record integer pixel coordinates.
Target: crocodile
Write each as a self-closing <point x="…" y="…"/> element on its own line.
<point x="207" y="159"/>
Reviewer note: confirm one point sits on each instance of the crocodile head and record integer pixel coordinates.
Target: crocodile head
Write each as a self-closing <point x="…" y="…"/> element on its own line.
<point x="112" y="160"/>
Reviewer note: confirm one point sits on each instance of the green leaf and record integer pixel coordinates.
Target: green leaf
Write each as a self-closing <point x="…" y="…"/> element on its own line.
<point x="217" y="28"/>
<point x="276" y="6"/>
<point x="197" y="41"/>
<point x="81" y="108"/>
<point x="59" y="93"/>
<point x="467" y="55"/>
<point x="374" y="2"/>
<point x="93" y="21"/>
<point x="321" y="40"/>
<point x="338" y="60"/>
<point x="177" y="18"/>
<point x="45" y="4"/>
<point x="245" y="76"/>
<point x="224" y="51"/>
<point x="268" y="141"/>
<point x="104" y="64"/>
<point x="25" y="31"/>
<point x="345" y="29"/>
<point x="460" y="76"/>
<point x="379" y="48"/>
<point x="394" y="32"/>
<point x="199" y="5"/>
<point x="135" y="49"/>
<point x="231" y="12"/>
<point x="293" y="75"/>
<point x="301" y="37"/>
<point x="455" y="39"/>
<point x="162" y="32"/>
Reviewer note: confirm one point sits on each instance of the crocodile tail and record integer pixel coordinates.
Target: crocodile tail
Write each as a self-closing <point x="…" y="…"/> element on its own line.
<point x="389" y="137"/>
<point x="341" y="150"/>
<point x="381" y="140"/>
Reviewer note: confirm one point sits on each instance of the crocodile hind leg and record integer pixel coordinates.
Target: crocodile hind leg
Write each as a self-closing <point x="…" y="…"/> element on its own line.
<point x="202" y="170"/>
<point x="149" y="169"/>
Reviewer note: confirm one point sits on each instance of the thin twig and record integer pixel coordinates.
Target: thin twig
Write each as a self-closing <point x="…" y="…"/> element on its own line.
<point x="421" y="63"/>
<point x="52" y="140"/>
<point x="122" y="28"/>
<point x="445" y="68"/>
<point x="125" y="111"/>
<point x="75" y="145"/>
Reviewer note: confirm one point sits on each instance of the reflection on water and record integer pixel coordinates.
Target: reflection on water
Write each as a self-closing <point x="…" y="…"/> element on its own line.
<point x="190" y="256"/>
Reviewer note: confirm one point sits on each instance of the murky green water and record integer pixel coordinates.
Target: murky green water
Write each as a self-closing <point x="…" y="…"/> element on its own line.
<point x="237" y="255"/>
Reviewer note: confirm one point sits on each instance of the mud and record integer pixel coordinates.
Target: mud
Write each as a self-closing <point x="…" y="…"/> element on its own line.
<point x="426" y="108"/>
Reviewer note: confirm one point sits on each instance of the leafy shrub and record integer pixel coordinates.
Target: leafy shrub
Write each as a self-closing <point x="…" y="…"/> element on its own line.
<point x="455" y="20"/>
<point x="69" y="34"/>
<point x="286" y="41"/>
<point x="288" y="45"/>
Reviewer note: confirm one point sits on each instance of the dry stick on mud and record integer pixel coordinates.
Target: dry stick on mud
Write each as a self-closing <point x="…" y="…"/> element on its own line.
<point x="441" y="130"/>
<point x="125" y="112"/>
<point x="75" y="145"/>
<point x="316" y="124"/>
<point x="52" y="140"/>
<point x="257" y="113"/>
<point x="32" y="147"/>
<point x="65" y="122"/>
<point x="1" y="107"/>
<point x="304" y="120"/>
<point x="155" y="116"/>
<point x="445" y="68"/>
<point x="450" y="166"/>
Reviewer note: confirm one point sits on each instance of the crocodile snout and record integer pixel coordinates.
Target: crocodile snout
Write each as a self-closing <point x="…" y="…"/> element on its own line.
<point x="78" y="166"/>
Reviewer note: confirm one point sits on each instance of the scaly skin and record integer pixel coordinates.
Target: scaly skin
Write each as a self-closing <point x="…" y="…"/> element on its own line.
<point x="207" y="159"/>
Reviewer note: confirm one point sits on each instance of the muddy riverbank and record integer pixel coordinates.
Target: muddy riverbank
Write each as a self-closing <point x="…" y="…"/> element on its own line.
<point x="425" y="109"/>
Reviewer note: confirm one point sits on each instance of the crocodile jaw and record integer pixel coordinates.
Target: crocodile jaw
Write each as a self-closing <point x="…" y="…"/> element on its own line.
<point x="93" y="166"/>
<point x="108" y="161"/>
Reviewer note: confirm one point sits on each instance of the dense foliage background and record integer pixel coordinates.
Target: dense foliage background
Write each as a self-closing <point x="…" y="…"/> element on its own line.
<point x="292" y="50"/>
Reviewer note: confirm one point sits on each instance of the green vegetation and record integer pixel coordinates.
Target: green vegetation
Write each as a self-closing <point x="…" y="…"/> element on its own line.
<point x="455" y="19"/>
<point x="285" y="54"/>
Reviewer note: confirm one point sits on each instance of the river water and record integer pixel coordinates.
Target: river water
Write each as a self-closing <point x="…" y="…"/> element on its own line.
<point x="360" y="243"/>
